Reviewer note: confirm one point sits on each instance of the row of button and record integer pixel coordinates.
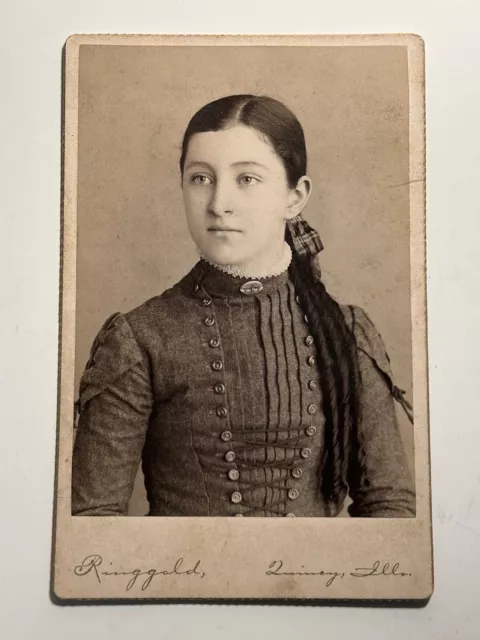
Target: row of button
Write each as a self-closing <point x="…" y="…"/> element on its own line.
<point x="287" y="515"/>
<point x="217" y="365"/>
<point x="236" y="497"/>
<point x="311" y="410"/>
<point x="311" y="360"/>
<point x="226" y="435"/>
<point x="221" y="411"/>
<point x="234" y="474"/>
<point x="305" y="453"/>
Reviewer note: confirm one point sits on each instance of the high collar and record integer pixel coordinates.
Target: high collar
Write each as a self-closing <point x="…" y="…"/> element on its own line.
<point x="207" y="280"/>
<point x="268" y="272"/>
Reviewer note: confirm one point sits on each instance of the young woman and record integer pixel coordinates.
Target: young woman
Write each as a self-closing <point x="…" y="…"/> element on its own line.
<point x="245" y="389"/>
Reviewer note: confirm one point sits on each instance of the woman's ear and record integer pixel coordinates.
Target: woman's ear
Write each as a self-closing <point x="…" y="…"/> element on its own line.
<point x="298" y="197"/>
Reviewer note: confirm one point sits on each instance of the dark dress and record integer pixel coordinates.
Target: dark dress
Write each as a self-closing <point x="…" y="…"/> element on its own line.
<point x="214" y="387"/>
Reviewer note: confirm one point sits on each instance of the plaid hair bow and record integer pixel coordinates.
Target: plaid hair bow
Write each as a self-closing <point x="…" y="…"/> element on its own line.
<point x="305" y="238"/>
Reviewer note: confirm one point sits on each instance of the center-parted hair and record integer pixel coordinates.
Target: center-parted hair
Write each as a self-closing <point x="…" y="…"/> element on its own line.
<point x="339" y="375"/>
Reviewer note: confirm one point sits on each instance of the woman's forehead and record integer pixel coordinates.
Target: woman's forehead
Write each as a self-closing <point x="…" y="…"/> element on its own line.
<point x="233" y="146"/>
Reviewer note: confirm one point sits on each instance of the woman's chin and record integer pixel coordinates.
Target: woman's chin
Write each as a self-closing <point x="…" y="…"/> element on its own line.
<point x="223" y="257"/>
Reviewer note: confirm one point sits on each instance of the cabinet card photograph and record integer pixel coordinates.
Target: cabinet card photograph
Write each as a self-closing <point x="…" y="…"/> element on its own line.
<point x="243" y="393"/>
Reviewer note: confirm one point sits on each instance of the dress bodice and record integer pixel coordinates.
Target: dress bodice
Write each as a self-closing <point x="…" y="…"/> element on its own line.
<point x="215" y="385"/>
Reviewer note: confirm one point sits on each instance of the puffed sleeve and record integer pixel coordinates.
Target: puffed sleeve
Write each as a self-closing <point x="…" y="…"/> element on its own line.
<point x="114" y="406"/>
<point x="380" y="481"/>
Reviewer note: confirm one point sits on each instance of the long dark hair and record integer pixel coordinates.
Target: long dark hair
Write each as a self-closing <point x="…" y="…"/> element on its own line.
<point x="334" y="341"/>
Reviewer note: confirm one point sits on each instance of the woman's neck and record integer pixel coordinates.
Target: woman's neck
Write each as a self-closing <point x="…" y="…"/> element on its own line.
<point x="267" y="269"/>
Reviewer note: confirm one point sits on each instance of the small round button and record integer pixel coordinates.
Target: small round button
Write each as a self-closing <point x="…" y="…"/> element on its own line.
<point x="306" y="452"/>
<point x="206" y="302"/>
<point x="293" y="494"/>
<point x="305" y="317"/>
<point x="209" y="321"/>
<point x="297" y="299"/>
<point x="226" y="436"/>
<point x="219" y="387"/>
<point x="214" y="342"/>
<point x="297" y="472"/>
<point x="234" y="474"/>
<point x="311" y="360"/>
<point x="311" y="431"/>
<point x="230" y="456"/>
<point x="239" y="515"/>
<point x="290" y="515"/>
<point x="222" y="412"/>
<point x="217" y="365"/>
<point x="312" y="385"/>
<point x="196" y="288"/>
<point x="236" y="497"/>
<point x="312" y="409"/>
<point x="309" y="340"/>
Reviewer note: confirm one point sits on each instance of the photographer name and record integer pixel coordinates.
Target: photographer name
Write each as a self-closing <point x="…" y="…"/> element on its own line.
<point x="141" y="577"/>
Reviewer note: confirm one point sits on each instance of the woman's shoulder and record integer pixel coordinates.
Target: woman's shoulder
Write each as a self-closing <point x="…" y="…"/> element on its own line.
<point x="367" y="335"/>
<point x="368" y="338"/>
<point x="129" y="331"/>
<point x="168" y="305"/>
<point x="124" y="340"/>
<point x="158" y="307"/>
<point x="373" y="352"/>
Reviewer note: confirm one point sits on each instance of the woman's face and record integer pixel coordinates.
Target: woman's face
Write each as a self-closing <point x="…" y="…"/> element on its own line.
<point x="237" y="197"/>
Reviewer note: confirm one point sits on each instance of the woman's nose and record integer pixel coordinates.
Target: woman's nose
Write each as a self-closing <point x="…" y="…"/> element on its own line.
<point x="221" y="201"/>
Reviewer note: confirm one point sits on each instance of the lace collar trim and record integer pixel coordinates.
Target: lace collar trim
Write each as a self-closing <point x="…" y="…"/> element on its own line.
<point x="239" y="272"/>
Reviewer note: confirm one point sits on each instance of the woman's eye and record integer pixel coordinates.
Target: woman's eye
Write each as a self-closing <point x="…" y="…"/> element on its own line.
<point x="200" y="179"/>
<point x="248" y="180"/>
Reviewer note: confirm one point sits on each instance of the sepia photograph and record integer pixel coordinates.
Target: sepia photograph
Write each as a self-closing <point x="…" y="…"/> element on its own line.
<point x="243" y="322"/>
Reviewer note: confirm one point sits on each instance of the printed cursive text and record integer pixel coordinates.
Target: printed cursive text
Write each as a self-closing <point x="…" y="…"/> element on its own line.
<point x="380" y="570"/>
<point x="91" y="564"/>
<point x="275" y="568"/>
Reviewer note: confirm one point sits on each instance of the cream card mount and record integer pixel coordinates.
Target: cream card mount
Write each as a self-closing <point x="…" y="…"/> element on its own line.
<point x="243" y="406"/>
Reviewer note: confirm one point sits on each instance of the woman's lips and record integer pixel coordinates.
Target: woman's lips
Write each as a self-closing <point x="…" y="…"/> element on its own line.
<point x="223" y="230"/>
